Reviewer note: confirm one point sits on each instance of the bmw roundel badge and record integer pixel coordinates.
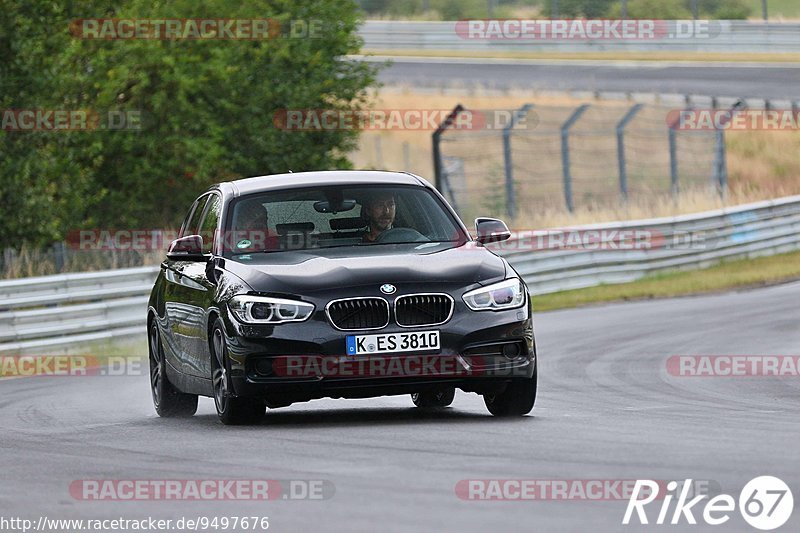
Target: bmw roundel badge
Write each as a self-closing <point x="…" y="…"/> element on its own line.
<point x="388" y="288"/>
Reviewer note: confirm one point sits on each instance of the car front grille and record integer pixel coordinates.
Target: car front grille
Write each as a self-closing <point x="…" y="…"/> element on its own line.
<point x="423" y="309"/>
<point x="359" y="313"/>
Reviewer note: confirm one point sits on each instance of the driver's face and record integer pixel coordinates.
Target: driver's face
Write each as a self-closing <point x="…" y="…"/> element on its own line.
<point x="381" y="213"/>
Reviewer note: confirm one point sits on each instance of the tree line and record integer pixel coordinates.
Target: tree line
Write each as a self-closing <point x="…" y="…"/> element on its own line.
<point x="150" y="123"/>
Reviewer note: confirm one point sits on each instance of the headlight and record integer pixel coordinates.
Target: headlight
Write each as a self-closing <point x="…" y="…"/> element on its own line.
<point x="507" y="294"/>
<point x="266" y="310"/>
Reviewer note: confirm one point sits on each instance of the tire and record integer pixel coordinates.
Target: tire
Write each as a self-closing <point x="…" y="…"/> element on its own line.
<point x="434" y="399"/>
<point x="231" y="410"/>
<point x="168" y="401"/>
<point x="516" y="400"/>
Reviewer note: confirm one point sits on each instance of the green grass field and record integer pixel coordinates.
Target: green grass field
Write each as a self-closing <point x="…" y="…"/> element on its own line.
<point x="725" y="276"/>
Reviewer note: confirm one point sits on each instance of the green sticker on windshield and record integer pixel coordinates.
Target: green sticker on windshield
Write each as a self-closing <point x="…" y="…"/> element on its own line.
<point x="244" y="243"/>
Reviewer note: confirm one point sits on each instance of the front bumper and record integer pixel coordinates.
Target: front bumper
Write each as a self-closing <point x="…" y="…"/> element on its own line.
<point x="301" y="361"/>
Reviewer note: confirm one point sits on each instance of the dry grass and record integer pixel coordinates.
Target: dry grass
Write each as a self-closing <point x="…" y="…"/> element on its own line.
<point x="30" y="261"/>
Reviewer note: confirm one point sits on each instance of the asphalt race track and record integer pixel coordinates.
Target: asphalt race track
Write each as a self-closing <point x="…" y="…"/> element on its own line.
<point x="711" y="79"/>
<point x="607" y="409"/>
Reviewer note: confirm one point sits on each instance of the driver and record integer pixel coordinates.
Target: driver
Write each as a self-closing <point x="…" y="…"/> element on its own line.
<point x="251" y="224"/>
<point x="379" y="212"/>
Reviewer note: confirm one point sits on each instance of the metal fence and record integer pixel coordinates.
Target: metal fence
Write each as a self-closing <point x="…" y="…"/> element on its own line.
<point x="587" y="155"/>
<point x="47" y="312"/>
<point x="725" y="36"/>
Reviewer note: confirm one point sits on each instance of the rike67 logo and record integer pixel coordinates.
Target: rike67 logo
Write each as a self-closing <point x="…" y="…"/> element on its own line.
<point x="765" y="503"/>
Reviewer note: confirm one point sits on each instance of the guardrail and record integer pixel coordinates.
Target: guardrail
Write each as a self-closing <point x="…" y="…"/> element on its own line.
<point x="725" y="36"/>
<point x="648" y="246"/>
<point x="52" y="311"/>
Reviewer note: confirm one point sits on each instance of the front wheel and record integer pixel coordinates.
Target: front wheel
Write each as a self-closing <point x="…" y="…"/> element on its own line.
<point x="231" y="410"/>
<point x="435" y="399"/>
<point x="516" y="400"/>
<point x="168" y="401"/>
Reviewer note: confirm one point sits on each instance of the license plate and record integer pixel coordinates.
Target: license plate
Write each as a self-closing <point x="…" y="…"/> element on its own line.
<point x="392" y="342"/>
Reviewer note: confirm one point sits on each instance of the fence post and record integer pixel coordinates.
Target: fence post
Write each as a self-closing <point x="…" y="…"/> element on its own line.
<point x="673" y="162"/>
<point x="623" y="174"/>
<point x="511" y="205"/>
<point x="723" y="168"/>
<point x="59" y="251"/>
<point x="720" y="177"/>
<point x="565" y="164"/>
<point x="673" y="150"/>
<point x="436" y="139"/>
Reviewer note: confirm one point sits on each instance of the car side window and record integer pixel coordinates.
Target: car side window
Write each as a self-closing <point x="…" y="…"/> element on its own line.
<point x="190" y="227"/>
<point x="208" y="229"/>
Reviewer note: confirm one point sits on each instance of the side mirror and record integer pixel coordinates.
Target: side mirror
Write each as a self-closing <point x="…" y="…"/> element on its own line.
<point x="491" y="230"/>
<point x="189" y="248"/>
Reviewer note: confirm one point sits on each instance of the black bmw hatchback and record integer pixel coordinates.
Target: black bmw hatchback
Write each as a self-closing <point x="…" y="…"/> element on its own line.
<point x="343" y="284"/>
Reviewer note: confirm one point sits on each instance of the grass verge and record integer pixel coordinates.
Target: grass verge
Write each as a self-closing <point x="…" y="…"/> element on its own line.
<point x="724" y="276"/>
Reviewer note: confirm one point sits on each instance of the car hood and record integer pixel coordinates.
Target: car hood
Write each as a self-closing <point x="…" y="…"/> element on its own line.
<point x="302" y="272"/>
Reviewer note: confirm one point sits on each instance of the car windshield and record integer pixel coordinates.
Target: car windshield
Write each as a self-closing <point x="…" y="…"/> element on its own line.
<point x="327" y="217"/>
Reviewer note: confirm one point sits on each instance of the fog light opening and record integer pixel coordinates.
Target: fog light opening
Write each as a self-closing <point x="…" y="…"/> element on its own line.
<point x="511" y="351"/>
<point x="264" y="367"/>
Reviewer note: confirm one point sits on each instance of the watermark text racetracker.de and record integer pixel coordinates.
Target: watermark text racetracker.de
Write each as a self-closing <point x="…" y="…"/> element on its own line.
<point x="568" y="489"/>
<point x="585" y="29"/>
<point x="727" y="366"/>
<point x="388" y="366"/>
<point x="18" y="366"/>
<point x="67" y="120"/>
<point x="734" y="119"/>
<point x="195" y="29"/>
<point x="399" y="119"/>
<point x="201" y="489"/>
<point x="144" y="240"/>
<point x="608" y="239"/>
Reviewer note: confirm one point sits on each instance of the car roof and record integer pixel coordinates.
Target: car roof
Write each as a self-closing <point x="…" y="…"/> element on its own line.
<point x="322" y="178"/>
